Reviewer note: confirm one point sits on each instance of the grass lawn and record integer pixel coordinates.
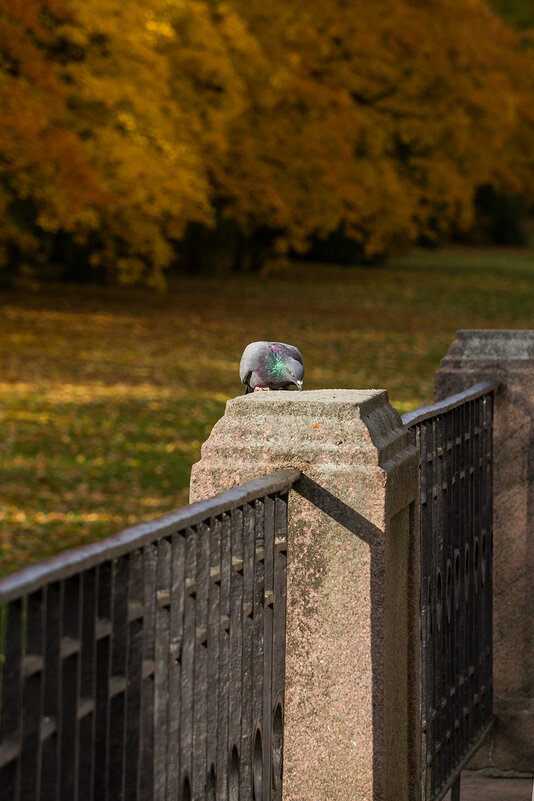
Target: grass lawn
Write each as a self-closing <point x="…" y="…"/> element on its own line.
<point x="107" y="394"/>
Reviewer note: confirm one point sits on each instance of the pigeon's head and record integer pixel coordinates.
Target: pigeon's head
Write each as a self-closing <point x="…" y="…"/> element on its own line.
<point x="294" y="372"/>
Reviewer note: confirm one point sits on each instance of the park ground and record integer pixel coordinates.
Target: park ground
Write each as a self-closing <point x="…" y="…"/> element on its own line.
<point x="106" y="394"/>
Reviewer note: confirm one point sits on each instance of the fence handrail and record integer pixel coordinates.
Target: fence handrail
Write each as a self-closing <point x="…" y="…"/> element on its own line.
<point x="75" y="560"/>
<point x="451" y="402"/>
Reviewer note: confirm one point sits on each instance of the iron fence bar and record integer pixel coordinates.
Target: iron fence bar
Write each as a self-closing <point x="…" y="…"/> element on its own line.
<point x="258" y="649"/>
<point x="247" y="684"/>
<point x="145" y="779"/>
<point x="268" y="603"/>
<point x="464" y="760"/>
<point x="454" y="438"/>
<point x="215" y="679"/>
<point x="279" y="648"/>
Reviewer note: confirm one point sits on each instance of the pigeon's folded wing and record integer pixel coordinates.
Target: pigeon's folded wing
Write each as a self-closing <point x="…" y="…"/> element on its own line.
<point x="292" y="351"/>
<point x="251" y="359"/>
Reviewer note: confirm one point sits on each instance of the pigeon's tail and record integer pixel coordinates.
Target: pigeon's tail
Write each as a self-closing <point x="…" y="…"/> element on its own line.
<point x="248" y="389"/>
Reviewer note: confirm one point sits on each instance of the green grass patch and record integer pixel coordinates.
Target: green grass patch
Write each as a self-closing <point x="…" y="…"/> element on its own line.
<point x="107" y="394"/>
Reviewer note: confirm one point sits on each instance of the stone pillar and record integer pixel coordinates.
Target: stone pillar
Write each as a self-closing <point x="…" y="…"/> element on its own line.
<point x="351" y="721"/>
<point x="508" y="356"/>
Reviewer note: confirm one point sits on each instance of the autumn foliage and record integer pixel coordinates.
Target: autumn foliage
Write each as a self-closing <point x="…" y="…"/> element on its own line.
<point x="124" y="126"/>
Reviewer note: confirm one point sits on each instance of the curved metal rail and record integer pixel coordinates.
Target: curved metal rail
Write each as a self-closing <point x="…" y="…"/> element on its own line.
<point x="151" y="664"/>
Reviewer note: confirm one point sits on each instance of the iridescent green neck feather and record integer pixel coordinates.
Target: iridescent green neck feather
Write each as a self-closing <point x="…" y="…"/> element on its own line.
<point x="276" y="366"/>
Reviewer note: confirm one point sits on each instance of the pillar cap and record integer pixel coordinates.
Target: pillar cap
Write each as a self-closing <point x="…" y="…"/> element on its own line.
<point x="339" y="427"/>
<point x="486" y="346"/>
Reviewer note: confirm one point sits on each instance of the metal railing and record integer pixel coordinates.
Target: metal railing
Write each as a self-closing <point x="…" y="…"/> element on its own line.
<point x="151" y="665"/>
<point x="454" y="438"/>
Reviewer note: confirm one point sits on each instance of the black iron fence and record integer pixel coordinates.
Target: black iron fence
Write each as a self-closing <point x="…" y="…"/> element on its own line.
<point x="454" y="438"/>
<point x="151" y="665"/>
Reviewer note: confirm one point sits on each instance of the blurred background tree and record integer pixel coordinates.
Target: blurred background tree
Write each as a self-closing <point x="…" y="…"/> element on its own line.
<point x="144" y="136"/>
<point x="519" y="12"/>
<point x="46" y="181"/>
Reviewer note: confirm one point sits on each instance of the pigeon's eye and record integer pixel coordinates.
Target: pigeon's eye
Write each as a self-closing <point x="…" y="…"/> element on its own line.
<point x="292" y="373"/>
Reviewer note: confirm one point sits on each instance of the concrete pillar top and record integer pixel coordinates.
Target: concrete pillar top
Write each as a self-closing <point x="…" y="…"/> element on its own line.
<point x="310" y="430"/>
<point x="490" y="348"/>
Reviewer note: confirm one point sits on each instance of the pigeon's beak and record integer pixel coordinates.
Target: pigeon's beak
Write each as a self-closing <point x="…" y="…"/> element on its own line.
<point x="299" y="385"/>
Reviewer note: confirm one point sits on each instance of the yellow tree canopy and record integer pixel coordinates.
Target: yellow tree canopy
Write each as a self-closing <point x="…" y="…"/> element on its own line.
<point x="142" y="134"/>
<point x="108" y="126"/>
<point x="43" y="163"/>
<point x="122" y="123"/>
<point x="383" y="117"/>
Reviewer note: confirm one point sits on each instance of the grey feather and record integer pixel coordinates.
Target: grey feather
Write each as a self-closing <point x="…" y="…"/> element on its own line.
<point x="271" y="365"/>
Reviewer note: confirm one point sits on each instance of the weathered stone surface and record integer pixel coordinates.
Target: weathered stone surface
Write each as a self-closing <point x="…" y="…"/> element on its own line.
<point x="477" y="787"/>
<point x="508" y="356"/>
<point x="351" y="718"/>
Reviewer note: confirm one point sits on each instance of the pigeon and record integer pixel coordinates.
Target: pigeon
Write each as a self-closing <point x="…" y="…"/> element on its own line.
<point x="271" y="365"/>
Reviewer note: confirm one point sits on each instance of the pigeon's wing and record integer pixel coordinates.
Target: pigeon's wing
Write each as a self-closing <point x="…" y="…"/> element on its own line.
<point x="292" y="351"/>
<point x="250" y="359"/>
